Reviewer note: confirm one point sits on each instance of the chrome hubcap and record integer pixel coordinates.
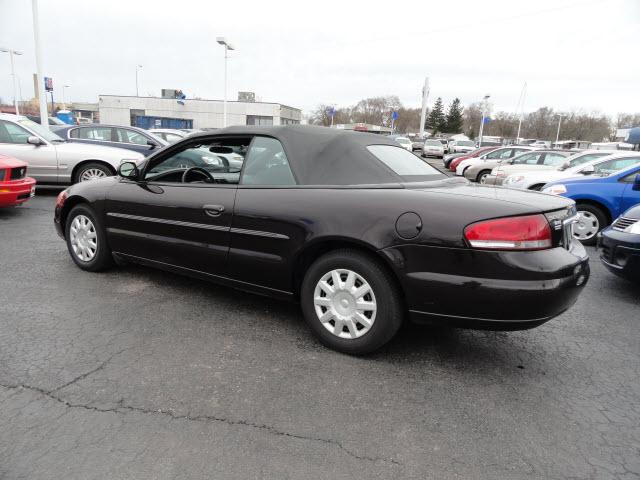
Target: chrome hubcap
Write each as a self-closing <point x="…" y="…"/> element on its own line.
<point x="586" y="226"/>
<point x="345" y="303"/>
<point x="83" y="238"/>
<point x="483" y="177"/>
<point x="92" y="174"/>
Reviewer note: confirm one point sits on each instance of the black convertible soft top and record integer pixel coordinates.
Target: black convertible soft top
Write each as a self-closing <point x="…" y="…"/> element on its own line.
<point x="325" y="156"/>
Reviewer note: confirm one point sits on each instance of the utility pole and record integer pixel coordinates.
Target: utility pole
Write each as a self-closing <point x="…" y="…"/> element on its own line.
<point x="13" y="75"/>
<point x="559" y="122"/>
<point x="137" y="89"/>
<point x="523" y="95"/>
<point x="484" y="108"/>
<point x="227" y="47"/>
<point x="44" y="120"/>
<point x="423" y="114"/>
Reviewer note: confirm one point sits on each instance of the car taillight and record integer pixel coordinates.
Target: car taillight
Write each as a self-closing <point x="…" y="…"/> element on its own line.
<point x="62" y="196"/>
<point x="530" y="232"/>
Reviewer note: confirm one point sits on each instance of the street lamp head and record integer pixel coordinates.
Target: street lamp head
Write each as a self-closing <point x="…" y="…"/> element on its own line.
<point x="223" y="41"/>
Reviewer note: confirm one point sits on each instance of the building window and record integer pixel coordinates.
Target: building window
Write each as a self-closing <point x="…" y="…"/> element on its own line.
<point x="259" y="120"/>
<point x="289" y="121"/>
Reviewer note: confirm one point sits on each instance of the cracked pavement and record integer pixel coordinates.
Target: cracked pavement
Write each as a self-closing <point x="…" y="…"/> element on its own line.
<point x="137" y="373"/>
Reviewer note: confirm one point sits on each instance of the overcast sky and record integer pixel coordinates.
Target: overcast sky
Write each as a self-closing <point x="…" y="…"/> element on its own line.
<point x="573" y="54"/>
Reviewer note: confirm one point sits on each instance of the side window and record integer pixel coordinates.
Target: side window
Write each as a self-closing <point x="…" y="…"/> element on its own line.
<point x="218" y="161"/>
<point x="530" y="159"/>
<point x="12" y="133"/>
<point x="172" y="137"/>
<point x="553" y="159"/>
<point x="124" y="135"/>
<point x="612" y="166"/>
<point x="584" y="159"/>
<point x="499" y="154"/>
<point x="102" y="134"/>
<point x="518" y="151"/>
<point x="631" y="178"/>
<point x="267" y="164"/>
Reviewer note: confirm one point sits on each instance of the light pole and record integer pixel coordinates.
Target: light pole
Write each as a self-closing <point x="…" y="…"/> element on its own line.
<point x="523" y="95"/>
<point x="484" y="108"/>
<point x="227" y="47"/>
<point x="44" y="120"/>
<point x="64" y="104"/>
<point x="559" y="115"/>
<point x="137" y="90"/>
<point x="13" y="75"/>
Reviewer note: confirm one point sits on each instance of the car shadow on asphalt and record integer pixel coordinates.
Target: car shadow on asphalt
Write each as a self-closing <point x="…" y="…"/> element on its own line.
<point x="413" y="344"/>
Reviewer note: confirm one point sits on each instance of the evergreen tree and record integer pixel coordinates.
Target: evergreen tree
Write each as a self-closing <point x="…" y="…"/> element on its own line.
<point x="454" y="117"/>
<point x="436" y="119"/>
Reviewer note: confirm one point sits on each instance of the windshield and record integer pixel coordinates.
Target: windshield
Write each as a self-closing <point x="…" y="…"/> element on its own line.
<point x="40" y="130"/>
<point x="433" y="143"/>
<point x="402" y="140"/>
<point x="465" y="143"/>
<point x="405" y="164"/>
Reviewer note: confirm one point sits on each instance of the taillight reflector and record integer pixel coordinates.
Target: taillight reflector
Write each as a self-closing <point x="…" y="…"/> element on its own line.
<point x="62" y="196"/>
<point x="530" y="232"/>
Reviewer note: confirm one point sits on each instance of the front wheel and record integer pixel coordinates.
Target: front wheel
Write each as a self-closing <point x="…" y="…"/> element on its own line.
<point x="350" y="302"/>
<point x="482" y="176"/>
<point x="86" y="240"/>
<point x="591" y="220"/>
<point x="92" y="171"/>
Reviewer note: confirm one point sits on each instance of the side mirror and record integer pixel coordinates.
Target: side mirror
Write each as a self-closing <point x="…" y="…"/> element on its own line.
<point x="636" y="183"/>
<point x="151" y="144"/>
<point x="564" y="166"/>
<point x="588" y="170"/>
<point x="33" y="140"/>
<point x="129" y="170"/>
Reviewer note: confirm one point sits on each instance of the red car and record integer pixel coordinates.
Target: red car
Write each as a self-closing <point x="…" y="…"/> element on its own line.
<point x="476" y="153"/>
<point x="15" y="187"/>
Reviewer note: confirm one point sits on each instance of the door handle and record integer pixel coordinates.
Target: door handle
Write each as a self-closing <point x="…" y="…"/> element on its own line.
<point x="213" y="210"/>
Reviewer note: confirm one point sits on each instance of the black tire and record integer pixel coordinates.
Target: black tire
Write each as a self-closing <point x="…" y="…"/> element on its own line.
<point x="96" y="166"/>
<point x="389" y="313"/>
<point x="481" y="174"/>
<point x="600" y="216"/>
<point x="102" y="258"/>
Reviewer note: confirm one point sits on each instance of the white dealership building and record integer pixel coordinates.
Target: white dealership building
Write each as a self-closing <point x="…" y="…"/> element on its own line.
<point x="164" y="112"/>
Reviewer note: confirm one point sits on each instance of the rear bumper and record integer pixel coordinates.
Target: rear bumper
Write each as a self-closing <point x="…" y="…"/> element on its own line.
<point x="16" y="192"/>
<point x="489" y="289"/>
<point x="621" y="253"/>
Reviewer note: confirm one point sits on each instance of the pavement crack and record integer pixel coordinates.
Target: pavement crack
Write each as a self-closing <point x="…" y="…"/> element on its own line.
<point x="86" y="374"/>
<point x="122" y="408"/>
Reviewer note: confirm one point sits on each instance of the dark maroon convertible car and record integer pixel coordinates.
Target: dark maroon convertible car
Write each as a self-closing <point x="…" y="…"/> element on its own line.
<point x="361" y="232"/>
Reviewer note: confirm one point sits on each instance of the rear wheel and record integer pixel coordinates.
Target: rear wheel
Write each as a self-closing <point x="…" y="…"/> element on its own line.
<point x="86" y="240"/>
<point x="591" y="220"/>
<point x="92" y="171"/>
<point x="350" y="302"/>
<point x="482" y="176"/>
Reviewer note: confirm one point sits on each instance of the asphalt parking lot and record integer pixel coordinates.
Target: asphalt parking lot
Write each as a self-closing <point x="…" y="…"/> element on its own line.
<point x="137" y="373"/>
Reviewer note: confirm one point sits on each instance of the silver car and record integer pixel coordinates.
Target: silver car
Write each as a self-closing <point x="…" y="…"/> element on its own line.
<point x="53" y="161"/>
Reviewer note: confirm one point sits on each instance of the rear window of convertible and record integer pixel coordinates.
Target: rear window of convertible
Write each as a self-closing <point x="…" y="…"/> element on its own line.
<point x="403" y="162"/>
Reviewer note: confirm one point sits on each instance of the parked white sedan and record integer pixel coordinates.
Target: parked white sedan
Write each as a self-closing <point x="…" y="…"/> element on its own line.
<point x="599" y="164"/>
<point x="53" y="161"/>
<point x="433" y="148"/>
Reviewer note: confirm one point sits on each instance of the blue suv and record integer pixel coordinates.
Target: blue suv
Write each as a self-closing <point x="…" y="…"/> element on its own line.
<point x="602" y="196"/>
